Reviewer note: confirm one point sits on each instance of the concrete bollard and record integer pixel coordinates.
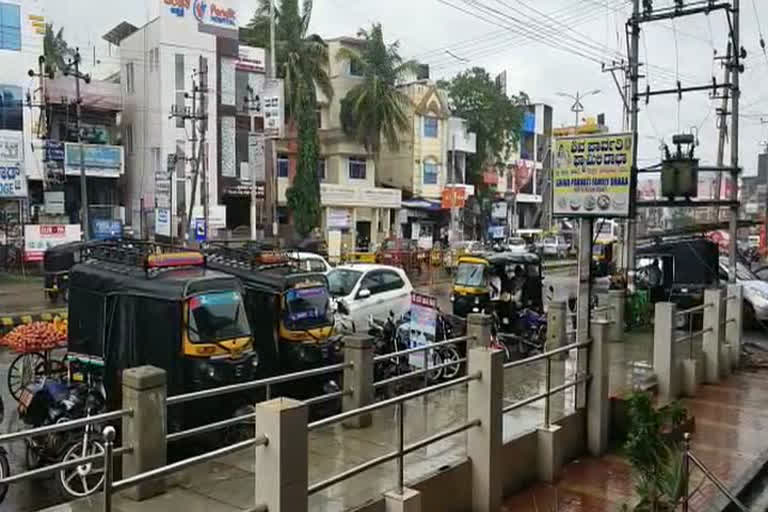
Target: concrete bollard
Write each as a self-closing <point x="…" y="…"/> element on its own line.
<point x="408" y="501"/>
<point x="713" y="339"/>
<point x="598" y="405"/>
<point x="663" y="350"/>
<point x="281" y="471"/>
<point x="690" y="377"/>
<point x="734" y="330"/>
<point x="479" y="330"/>
<point x="484" y="442"/>
<point x="617" y="299"/>
<point x="358" y="379"/>
<point x="557" y="319"/>
<point x="144" y="391"/>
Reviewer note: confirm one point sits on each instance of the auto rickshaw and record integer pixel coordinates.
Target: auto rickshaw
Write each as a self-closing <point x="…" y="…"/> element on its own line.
<point x="602" y="259"/>
<point x="57" y="261"/>
<point x="290" y="310"/>
<point x="472" y="285"/>
<point x="139" y="303"/>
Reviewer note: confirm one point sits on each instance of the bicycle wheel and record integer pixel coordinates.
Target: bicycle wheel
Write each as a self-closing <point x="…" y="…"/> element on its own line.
<point x="85" y="479"/>
<point x="448" y="355"/>
<point x="23" y="371"/>
<point x="434" y="359"/>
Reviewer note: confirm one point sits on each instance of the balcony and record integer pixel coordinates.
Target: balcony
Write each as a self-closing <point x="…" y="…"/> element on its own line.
<point x="464" y="140"/>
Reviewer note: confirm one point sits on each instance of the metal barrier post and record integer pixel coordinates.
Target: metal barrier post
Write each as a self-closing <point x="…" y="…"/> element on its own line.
<point x="109" y="440"/>
<point x="712" y="340"/>
<point x="281" y="471"/>
<point x="478" y="330"/>
<point x="598" y="405"/>
<point x="686" y="469"/>
<point x="400" y="447"/>
<point x="549" y="446"/>
<point x="144" y="391"/>
<point x="557" y="319"/>
<point x="484" y="443"/>
<point x="358" y="378"/>
<point x="663" y="350"/>
<point x="734" y="329"/>
<point x="548" y="379"/>
<point x="617" y="299"/>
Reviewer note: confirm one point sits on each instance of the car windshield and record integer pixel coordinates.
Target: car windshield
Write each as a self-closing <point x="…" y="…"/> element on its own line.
<point x="342" y="281"/>
<point x="516" y="241"/>
<point x="217" y="316"/>
<point x="306" y="307"/>
<point x="470" y="274"/>
<point x="549" y="241"/>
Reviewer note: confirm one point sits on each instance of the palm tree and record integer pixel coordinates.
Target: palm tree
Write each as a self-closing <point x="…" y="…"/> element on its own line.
<point x="55" y="48"/>
<point x="376" y="108"/>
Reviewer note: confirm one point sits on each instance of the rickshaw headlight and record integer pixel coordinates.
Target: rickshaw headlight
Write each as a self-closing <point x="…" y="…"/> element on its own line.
<point x="255" y="361"/>
<point x="477" y="300"/>
<point x="452" y="298"/>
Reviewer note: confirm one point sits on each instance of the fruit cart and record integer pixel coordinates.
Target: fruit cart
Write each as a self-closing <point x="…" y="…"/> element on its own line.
<point x="34" y="343"/>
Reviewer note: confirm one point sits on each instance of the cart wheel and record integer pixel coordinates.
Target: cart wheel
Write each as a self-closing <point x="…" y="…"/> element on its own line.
<point x="5" y="471"/>
<point x="85" y="479"/>
<point x="23" y="371"/>
<point x="56" y="369"/>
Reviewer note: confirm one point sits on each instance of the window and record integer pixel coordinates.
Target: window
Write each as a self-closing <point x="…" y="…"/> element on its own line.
<point x="128" y="139"/>
<point x="430" y="173"/>
<point x="391" y="281"/>
<point x="321" y="169"/>
<point x="154" y="59"/>
<point x="316" y="265"/>
<point x="357" y="167"/>
<point x="10" y="108"/>
<point x="319" y="118"/>
<point x="282" y="166"/>
<point x="180" y="105"/>
<point x="355" y="69"/>
<point x="156" y="163"/>
<point x="373" y="283"/>
<point x="430" y="127"/>
<point x="130" y="85"/>
<point x="179" y="72"/>
<point x="10" y="27"/>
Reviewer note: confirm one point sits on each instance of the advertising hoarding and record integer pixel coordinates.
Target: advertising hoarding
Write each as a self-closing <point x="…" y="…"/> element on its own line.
<point x="163" y="221"/>
<point x="423" y="326"/>
<point x="13" y="182"/>
<point x="592" y="175"/>
<point x="100" y="161"/>
<point x="39" y="237"/>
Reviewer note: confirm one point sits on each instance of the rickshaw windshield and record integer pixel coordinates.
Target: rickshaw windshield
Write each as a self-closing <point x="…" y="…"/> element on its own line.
<point x="470" y="274"/>
<point x="306" y="307"/>
<point x="217" y="316"/>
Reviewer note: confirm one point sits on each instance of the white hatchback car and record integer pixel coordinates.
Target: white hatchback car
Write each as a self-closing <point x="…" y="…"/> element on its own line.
<point x="364" y="290"/>
<point x="311" y="262"/>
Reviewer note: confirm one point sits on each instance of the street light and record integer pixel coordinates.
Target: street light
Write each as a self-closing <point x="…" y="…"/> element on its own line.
<point x="577" y="107"/>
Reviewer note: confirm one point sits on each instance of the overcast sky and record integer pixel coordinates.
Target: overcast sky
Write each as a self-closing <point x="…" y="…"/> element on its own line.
<point x="546" y="47"/>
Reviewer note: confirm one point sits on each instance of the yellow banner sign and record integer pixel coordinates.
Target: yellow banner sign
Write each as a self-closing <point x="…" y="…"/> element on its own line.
<point x="592" y="175"/>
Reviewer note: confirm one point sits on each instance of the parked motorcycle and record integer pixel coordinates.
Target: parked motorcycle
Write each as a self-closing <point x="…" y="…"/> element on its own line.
<point x="5" y="469"/>
<point x="53" y="401"/>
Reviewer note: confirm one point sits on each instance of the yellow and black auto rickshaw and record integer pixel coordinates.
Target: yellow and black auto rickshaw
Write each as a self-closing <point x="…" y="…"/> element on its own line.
<point x="477" y="275"/>
<point x="138" y="303"/>
<point x="290" y="312"/>
<point x="602" y="259"/>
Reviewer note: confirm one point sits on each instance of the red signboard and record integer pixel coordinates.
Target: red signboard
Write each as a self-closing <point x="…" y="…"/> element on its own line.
<point x="490" y="178"/>
<point x="453" y="197"/>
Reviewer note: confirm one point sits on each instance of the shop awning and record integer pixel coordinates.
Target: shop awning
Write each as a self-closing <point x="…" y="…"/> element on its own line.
<point x="422" y="204"/>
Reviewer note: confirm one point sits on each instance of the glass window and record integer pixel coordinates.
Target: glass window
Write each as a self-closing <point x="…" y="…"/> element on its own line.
<point x="430" y="127"/>
<point x="282" y="166"/>
<point x="10" y="108"/>
<point x="319" y="118"/>
<point x="373" y="282"/>
<point x="355" y="69"/>
<point x="316" y="265"/>
<point x="321" y="169"/>
<point x="180" y="104"/>
<point x="357" y="168"/>
<point x="391" y="281"/>
<point x="470" y="274"/>
<point x="306" y="307"/>
<point x="430" y="173"/>
<point x="10" y="27"/>
<point x="341" y="282"/>
<point x="217" y="316"/>
<point x="179" y="72"/>
<point x="129" y="78"/>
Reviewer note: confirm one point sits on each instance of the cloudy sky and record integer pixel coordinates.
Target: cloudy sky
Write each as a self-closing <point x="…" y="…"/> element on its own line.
<point x="546" y="47"/>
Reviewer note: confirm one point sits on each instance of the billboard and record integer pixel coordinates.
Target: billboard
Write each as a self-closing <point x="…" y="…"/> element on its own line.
<point x="13" y="182"/>
<point x="100" y="160"/>
<point x="592" y="175"/>
<point x="39" y="237"/>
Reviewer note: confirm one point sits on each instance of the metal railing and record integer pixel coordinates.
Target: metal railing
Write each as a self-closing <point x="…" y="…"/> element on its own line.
<point x="689" y="457"/>
<point x="549" y="390"/>
<point x="402" y="449"/>
<point x="691" y="313"/>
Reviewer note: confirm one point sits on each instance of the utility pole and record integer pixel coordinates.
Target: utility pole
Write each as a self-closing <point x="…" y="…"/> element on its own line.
<point x="73" y="68"/>
<point x="723" y="129"/>
<point x="735" y="92"/>
<point x="272" y="143"/>
<point x="634" y="75"/>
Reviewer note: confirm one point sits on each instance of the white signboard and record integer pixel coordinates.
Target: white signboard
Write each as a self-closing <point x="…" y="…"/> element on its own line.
<point x="54" y="202"/>
<point x="163" y="221"/>
<point x="340" y="195"/>
<point x="256" y="157"/>
<point x="339" y="218"/>
<point x="39" y="237"/>
<point x="273" y="106"/>
<point x="250" y="59"/>
<point x="217" y="215"/>
<point x="13" y="182"/>
<point x="228" y="164"/>
<point x="423" y="326"/>
<point x="499" y="210"/>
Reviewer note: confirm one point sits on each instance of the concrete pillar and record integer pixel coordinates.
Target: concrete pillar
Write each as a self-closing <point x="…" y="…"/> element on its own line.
<point x="556" y="321"/>
<point x="479" y="330"/>
<point x="689" y="377"/>
<point x="484" y="402"/>
<point x="550" y="452"/>
<point x="713" y="339"/>
<point x="375" y="226"/>
<point x="617" y="299"/>
<point x="734" y="330"/>
<point x="281" y="471"/>
<point x="358" y="379"/>
<point x="354" y="230"/>
<point x="663" y="344"/>
<point x="144" y="391"/>
<point x="598" y="408"/>
<point x="408" y="501"/>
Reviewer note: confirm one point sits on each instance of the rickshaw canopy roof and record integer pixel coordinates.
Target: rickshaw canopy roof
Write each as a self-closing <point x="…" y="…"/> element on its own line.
<point x="271" y="278"/>
<point x="504" y="258"/>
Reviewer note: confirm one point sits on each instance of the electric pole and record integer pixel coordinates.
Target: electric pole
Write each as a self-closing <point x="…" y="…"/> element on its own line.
<point x="735" y="71"/>
<point x="73" y="68"/>
<point x="272" y="144"/>
<point x="634" y="76"/>
<point x="723" y="129"/>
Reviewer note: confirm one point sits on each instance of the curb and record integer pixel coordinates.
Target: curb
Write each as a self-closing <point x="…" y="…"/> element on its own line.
<point x="741" y="486"/>
<point x="8" y="322"/>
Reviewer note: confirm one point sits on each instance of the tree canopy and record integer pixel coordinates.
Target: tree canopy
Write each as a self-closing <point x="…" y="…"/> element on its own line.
<point x="56" y="49"/>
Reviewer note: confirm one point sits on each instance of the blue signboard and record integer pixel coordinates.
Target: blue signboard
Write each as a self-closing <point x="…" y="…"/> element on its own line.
<point x="200" y="230"/>
<point x="54" y="151"/>
<point x="106" y="229"/>
<point x="99" y="160"/>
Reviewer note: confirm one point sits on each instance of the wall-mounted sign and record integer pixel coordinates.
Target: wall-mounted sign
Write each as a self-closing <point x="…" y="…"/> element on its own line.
<point x="499" y="210"/>
<point x="54" y="202"/>
<point x="163" y="221"/>
<point x="39" y="237"/>
<point x="13" y="182"/>
<point x="215" y="13"/>
<point x="339" y="218"/>
<point x="250" y="59"/>
<point x="453" y="197"/>
<point x="100" y="160"/>
<point x="272" y="102"/>
<point x="592" y="175"/>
